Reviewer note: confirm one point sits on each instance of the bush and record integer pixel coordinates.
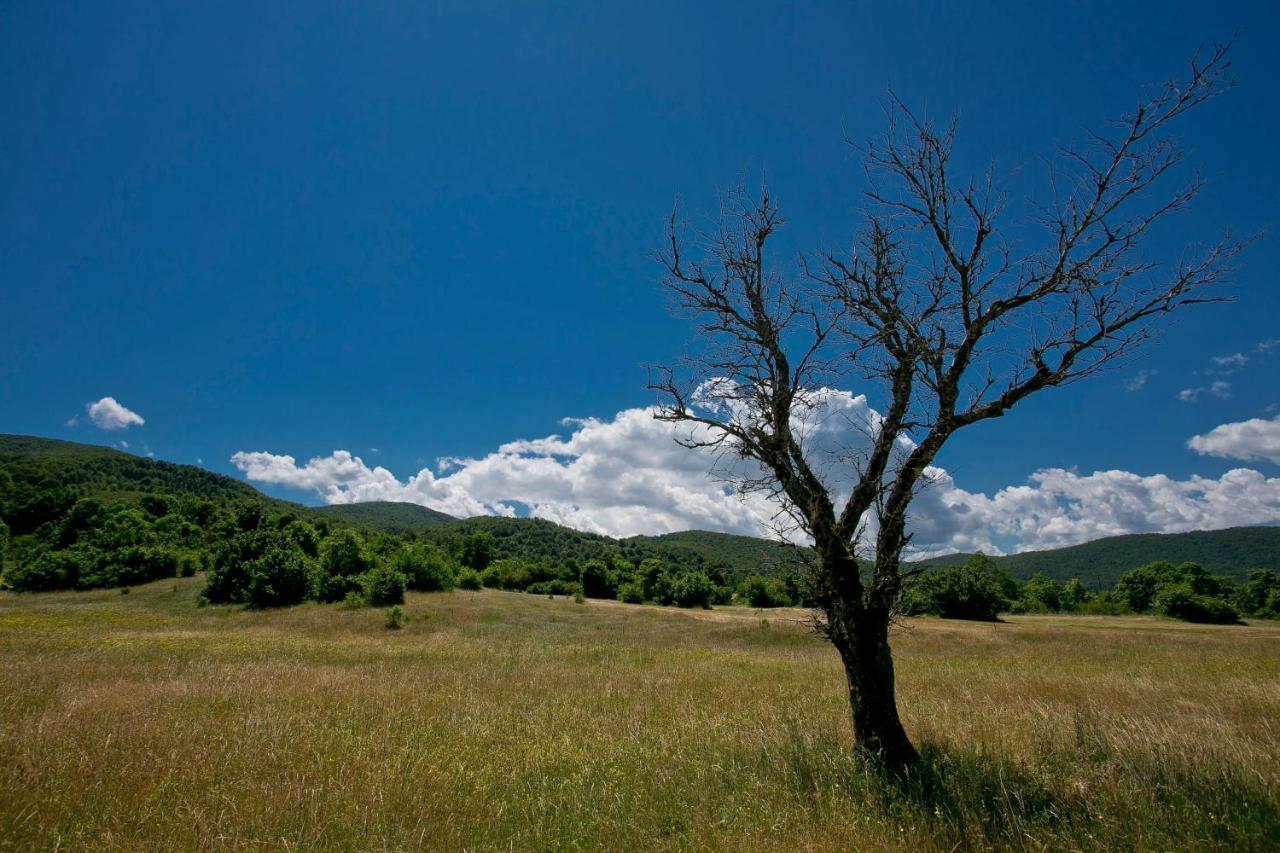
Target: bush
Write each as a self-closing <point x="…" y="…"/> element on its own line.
<point x="631" y="592"/>
<point x="384" y="586"/>
<point x="960" y="592"/>
<point x="1259" y="596"/>
<point x="764" y="592"/>
<point x="1106" y="603"/>
<point x="598" y="581"/>
<point x="50" y="570"/>
<point x="342" y="567"/>
<point x="425" y="568"/>
<point x="693" y="589"/>
<point x="277" y="579"/>
<point x="1042" y="595"/>
<point x="468" y="579"/>
<point x="395" y="618"/>
<point x="477" y="550"/>
<point x="128" y="566"/>
<point x="556" y="586"/>
<point x="1182" y="602"/>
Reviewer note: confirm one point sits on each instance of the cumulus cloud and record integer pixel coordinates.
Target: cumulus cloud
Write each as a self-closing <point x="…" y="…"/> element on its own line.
<point x="1255" y="438"/>
<point x="109" y="414"/>
<point x="1056" y="508"/>
<point x="626" y="475"/>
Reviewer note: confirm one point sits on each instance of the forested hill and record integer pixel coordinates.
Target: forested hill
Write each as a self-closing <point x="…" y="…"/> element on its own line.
<point x="41" y="478"/>
<point x="389" y="516"/>
<point x="1100" y="563"/>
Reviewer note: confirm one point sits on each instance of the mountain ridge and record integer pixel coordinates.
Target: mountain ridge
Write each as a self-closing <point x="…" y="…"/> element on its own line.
<point x="103" y="470"/>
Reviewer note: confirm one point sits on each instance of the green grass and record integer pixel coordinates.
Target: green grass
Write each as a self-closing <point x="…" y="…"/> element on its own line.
<point x="507" y="721"/>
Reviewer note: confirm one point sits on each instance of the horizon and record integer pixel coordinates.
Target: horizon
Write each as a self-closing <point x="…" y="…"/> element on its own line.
<point x="336" y="256"/>
<point x="913" y="557"/>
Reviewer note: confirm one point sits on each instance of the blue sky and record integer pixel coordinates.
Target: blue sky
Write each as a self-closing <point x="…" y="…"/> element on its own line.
<point x="429" y="228"/>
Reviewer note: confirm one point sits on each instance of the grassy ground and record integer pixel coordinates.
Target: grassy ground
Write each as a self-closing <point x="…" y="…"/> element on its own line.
<point x="501" y="720"/>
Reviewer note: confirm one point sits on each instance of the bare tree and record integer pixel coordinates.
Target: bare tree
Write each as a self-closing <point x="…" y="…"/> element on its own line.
<point x="936" y="308"/>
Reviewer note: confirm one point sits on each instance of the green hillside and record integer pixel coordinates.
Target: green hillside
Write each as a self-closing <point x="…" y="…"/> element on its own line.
<point x="388" y="516"/>
<point x="1230" y="552"/>
<point x="61" y="472"/>
<point x="742" y="553"/>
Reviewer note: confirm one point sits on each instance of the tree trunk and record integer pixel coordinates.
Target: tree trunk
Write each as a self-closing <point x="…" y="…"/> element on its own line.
<point x="868" y="667"/>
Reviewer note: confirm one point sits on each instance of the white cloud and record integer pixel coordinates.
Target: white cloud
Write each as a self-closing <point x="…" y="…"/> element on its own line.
<point x="1252" y="439"/>
<point x="627" y="475"/>
<point x="1220" y="389"/>
<point x="1058" y="508"/>
<point x="1139" y="380"/>
<point x="109" y="414"/>
<point x="1229" y="363"/>
<point x="1268" y="345"/>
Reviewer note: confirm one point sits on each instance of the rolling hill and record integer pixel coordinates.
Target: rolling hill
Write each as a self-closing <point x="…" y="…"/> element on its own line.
<point x="1229" y="552"/>
<point x="389" y="516"/>
<point x="31" y="462"/>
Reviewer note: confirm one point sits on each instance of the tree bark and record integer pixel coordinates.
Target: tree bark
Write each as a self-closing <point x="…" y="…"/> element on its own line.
<point x="860" y="632"/>
<point x="868" y="667"/>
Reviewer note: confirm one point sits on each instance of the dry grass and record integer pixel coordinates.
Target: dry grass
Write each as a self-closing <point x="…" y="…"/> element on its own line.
<point x="506" y="721"/>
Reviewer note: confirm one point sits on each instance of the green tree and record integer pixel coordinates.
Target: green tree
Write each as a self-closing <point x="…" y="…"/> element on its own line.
<point x="1042" y="594"/>
<point x="342" y="564"/>
<point x="477" y="550"/>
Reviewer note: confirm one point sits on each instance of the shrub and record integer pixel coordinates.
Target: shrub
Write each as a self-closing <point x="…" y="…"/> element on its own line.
<point x="509" y="573"/>
<point x="631" y="592"/>
<point x="188" y="564"/>
<point x="1259" y="596"/>
<point x="693" y="589"/>
<point x="131" y="565"/>
<point x="556" y="586"/>
<point x="342" y="566"/>
<point x="50" y="570"/>
<point x="426" y="569"/>
<point x="1106" y="603"/>
<point x="764" y="592"/>
<point x="1042" y="594"/>
<point x="960" y="592"/>
<point x="477" y="550"/>
<point x="468" y="579"/>
<point x="598" y="581"/>
<point x="277" y="579"/>
<point x="384" y="586"/>
<point x="353" y="601"/>
<point x="1182" y="602"/>
<point x="395" y="618"/>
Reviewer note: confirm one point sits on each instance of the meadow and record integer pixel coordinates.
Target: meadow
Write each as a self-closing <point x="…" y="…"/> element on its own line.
<point x="496" y="720"/>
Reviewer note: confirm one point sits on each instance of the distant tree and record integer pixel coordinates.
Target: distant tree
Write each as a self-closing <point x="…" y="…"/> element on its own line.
<point x="968" y="591"/>
<point x="764" y="592"/>
<point x="1074" y="595"/>
<point x="957" y="326"/>
<point x="1260" y="595"/>
<point x="277" y="578"/>
<point x="692" y="589"/>
<point x="1042" y="594"/>
<point x="598" y="580"/>
<point x="477" y="550"/>
<point x="342" y="565"/>
<point x="384" y="586"/>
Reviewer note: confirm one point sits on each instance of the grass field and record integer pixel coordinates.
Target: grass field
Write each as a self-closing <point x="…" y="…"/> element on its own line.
<point x="506" y="721"/>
